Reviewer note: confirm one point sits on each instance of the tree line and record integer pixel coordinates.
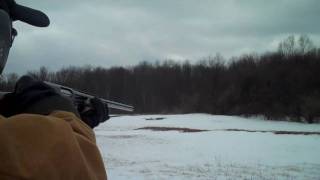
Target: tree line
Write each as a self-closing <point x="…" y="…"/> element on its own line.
<point x="279" y="85"/>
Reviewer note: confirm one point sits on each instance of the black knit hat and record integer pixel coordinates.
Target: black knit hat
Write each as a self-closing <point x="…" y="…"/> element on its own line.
<point x="24" y="14"/>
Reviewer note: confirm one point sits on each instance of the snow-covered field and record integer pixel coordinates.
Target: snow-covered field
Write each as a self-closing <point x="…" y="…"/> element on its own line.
<point x="215" y="154"/>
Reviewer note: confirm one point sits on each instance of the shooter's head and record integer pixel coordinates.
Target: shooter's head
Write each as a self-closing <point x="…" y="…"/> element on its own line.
<point x="11" y="11"/>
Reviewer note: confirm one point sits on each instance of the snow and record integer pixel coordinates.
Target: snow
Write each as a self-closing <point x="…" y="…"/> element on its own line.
<point x="214" y="154"/>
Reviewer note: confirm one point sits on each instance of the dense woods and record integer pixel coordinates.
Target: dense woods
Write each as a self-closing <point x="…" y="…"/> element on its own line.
<point x="279" y="85"/>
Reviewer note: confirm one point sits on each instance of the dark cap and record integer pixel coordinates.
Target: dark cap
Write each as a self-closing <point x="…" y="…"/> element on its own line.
<point x="25" y="14"/>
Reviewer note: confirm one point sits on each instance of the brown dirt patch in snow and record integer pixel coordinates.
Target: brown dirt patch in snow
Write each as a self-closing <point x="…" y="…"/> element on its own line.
<point x="155" y="119"/>
<point x="188" y="130"/>
<point x="276" y="132"/>
<point x="122" y="136"/>
<point x="184" y="130"/>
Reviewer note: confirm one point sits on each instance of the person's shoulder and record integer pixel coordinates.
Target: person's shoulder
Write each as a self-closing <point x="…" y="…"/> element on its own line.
<point x="75" y="123"/>
<point x="57" y="121"/>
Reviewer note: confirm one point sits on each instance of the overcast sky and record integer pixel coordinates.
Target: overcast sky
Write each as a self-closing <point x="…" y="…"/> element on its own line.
<point x="124" y="32"/>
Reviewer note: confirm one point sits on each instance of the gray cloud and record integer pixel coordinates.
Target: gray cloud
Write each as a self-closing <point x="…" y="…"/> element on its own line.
<point x="110" y="32"/>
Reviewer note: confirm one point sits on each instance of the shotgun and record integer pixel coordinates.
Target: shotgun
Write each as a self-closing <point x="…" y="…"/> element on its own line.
<point x="80" y="98"/>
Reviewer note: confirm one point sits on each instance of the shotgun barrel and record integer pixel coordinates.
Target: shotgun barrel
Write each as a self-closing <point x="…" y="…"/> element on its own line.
<point x="78" y="96"/>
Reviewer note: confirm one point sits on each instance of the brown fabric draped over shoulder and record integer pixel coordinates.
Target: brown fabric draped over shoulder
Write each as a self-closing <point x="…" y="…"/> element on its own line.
<point x="58" y="146"/>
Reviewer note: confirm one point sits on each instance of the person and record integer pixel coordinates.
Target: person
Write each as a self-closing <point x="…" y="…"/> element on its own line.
<point x="42" y="134"/>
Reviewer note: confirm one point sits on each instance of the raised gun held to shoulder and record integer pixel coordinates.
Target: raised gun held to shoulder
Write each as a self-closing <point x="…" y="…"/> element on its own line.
<point x="79" y="98"/>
